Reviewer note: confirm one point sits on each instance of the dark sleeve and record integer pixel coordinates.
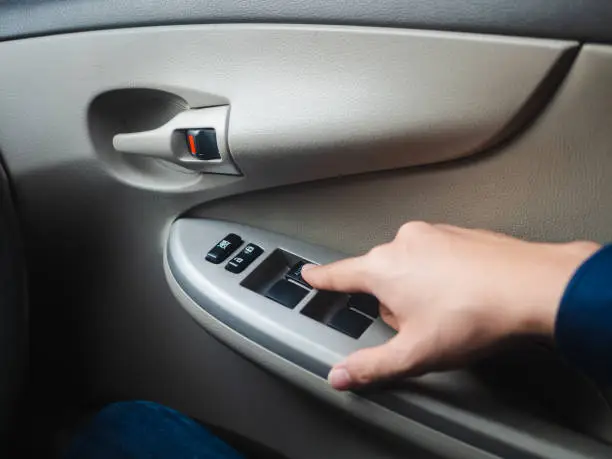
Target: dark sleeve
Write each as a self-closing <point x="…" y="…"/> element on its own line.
<point x="583" y="329"/>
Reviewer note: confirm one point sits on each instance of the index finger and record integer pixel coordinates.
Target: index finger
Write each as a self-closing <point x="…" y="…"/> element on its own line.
<point x="348" y="275"/>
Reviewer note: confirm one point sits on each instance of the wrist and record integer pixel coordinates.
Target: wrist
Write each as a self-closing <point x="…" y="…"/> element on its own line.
<point x="554" y="266"/>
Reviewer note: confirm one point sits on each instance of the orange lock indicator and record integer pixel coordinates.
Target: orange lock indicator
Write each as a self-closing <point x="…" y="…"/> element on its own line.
<point x="202" y="144"/>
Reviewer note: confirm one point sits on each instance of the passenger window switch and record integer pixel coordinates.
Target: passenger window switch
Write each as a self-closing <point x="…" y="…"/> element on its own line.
<point x="224" y="248"/>
<point x="286" y="293"/>
<point x="244" y="258"/>
<point x="364" y="303"/>
<point x="350" y="322"/>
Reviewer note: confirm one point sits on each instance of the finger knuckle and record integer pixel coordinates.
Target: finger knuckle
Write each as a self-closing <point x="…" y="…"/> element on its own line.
<point x="378" y="257"/>
<point x="414" y="355"/>
<point x="414" y="229"/>
<point x="377" y="252"/>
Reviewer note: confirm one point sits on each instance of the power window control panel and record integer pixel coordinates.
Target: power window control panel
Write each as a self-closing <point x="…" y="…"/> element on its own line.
<point x="251" y="282"/>
<point x="278" y="277"/>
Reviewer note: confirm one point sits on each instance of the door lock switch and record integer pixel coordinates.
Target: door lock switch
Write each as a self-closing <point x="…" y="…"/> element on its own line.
<point x="286" y="293"/>
<point x="244" y="258"/>
<point x="224" y="248"/>
<point x="202" y="144"/>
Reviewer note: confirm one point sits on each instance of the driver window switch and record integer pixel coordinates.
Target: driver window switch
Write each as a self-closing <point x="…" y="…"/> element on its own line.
<point x="295" y="274"/>
<point x="350" y="322"/>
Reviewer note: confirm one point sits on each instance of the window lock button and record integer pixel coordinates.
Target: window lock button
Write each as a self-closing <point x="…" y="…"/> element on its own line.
<point x="244" y="258"/>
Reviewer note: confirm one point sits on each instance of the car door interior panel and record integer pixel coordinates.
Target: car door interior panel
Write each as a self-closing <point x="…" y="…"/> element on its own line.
<point x="303" y="333"/>
<point x="429" y="107"/>
<point x="587" y="22"/>
<point x="174" y="168"/>
<point x="306" y="326"/>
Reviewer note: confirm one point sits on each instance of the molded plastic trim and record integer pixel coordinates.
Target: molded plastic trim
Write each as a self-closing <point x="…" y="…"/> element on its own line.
<point x="587" y="20"/>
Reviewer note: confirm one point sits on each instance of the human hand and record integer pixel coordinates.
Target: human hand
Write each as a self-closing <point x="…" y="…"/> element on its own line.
<point x="450" y="293"/>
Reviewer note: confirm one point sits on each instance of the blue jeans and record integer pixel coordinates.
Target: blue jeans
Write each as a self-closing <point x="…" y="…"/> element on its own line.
<point x="139" y="430"/>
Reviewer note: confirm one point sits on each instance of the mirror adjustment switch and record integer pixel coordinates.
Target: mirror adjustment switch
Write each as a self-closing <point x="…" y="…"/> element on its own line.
<point x="202" y="144"/>
<point x="286" y="293"/>
<point x="364" y="303"/>
<point x="224" y="248"/>
<point x="350" y="322"/>
<point x="295" y="274"/>
<point x="244" y="258"/>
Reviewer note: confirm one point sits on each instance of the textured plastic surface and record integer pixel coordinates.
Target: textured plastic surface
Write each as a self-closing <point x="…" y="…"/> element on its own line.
<point x="313" y="346"/>
<point x="95" y="242"/>
<point x="436" y="443"/>
<point x="306" y="102"/>
<point x="587" y="20"/>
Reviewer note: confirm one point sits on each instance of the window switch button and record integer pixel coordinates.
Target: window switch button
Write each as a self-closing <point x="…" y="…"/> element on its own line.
<point x="244" y="258"/>
<point x="350" y="322"/>
<point x="364" y="303"/>
<point x="224" y="248"/>
<point x="286" y="293"/>
<point x="295" y="274"/>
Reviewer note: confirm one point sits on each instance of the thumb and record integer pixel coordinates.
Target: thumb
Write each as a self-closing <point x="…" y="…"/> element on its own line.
<point x="374" y="364"/>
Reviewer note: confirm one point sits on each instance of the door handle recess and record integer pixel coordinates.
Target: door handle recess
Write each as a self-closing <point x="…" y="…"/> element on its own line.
<point x="175" y="142"/>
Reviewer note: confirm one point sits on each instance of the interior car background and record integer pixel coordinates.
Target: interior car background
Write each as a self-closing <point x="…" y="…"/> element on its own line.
<point x="167" y="165"/>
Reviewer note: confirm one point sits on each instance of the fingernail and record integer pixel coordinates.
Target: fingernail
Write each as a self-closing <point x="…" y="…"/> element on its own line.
<point x="339" y="378"/>
<point x="307" y="267"/>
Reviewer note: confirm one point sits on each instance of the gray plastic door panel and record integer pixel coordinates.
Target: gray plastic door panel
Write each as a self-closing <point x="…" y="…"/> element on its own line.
<point x="319" y="129"/>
